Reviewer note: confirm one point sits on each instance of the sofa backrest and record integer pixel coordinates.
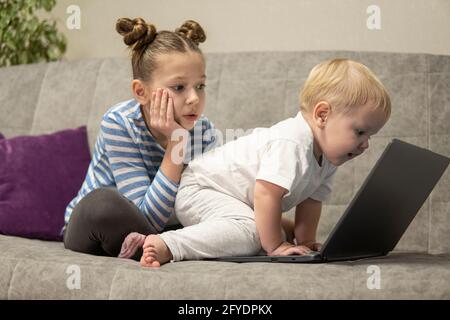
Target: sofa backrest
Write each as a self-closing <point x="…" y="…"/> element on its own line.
<point x="247" y="90"/>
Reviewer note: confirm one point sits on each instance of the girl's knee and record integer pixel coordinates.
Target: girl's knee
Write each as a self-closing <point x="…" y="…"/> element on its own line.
<point x="101" y="205"/>
<point x="102" y="195"/>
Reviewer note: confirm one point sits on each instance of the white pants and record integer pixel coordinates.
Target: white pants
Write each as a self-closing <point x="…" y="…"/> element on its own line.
<point x="215" y="224"/>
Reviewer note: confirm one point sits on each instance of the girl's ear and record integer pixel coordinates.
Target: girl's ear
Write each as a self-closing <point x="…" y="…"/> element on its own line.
<point x="321" y="112"/>
<point x="140" y="91"/>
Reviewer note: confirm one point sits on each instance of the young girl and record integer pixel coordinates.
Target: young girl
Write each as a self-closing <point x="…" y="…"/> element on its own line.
<point x="132" y="180"/>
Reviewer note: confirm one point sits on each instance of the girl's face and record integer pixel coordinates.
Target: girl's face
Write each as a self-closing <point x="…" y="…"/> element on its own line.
<point x="183" y="76"/>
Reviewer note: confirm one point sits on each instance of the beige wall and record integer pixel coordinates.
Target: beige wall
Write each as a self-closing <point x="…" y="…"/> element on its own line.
<point x="417" y="26"/>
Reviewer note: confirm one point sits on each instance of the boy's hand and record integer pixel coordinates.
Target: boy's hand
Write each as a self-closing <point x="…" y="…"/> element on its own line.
<point x="159" y="114"/>
<point x="286" y="248"/>
<point x="314" y="246"/>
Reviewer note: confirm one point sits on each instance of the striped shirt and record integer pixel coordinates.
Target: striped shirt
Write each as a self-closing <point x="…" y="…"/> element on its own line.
<point x="127" y="157"/>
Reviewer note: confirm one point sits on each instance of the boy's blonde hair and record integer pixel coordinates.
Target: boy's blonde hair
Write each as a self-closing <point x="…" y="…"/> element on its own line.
<point x="344" y="84"/>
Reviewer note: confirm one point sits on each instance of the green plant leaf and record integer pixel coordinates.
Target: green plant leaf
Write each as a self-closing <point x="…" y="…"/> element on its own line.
<point x="24" y="38"/>
<point x="10" y="44"/>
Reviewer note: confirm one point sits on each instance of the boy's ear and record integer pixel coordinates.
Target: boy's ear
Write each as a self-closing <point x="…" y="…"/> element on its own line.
<point x="140" y="91"/>
<point x="321" y="112"/>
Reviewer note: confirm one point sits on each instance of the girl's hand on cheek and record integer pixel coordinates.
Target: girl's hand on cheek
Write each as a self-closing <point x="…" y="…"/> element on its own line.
<point x="161" y="113"/>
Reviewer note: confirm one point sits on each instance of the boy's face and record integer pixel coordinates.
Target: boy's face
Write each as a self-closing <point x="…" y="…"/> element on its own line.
<point x="346" y="135"/>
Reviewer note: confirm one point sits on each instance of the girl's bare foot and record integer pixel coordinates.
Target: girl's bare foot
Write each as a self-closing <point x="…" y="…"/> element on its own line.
<point x="132" y="242"/>
<point x="155" y="253"/>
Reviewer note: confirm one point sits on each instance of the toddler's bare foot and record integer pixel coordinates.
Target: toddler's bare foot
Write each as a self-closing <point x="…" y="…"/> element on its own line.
<point x="132" y="242"/>
<point x="155" y="253"/>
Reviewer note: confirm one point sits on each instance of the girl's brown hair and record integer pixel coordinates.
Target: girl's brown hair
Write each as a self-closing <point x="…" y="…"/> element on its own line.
<point x="146" y="43"/>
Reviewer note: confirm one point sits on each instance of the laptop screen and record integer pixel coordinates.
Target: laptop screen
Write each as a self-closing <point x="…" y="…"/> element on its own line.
<point x="386" y="203"/>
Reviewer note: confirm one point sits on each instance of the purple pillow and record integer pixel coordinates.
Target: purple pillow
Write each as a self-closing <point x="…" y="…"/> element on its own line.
<point x="39" y="176"/>
<point x="1" y="136"/>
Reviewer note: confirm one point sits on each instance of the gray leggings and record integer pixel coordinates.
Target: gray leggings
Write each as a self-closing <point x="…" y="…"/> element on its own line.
<point x="100" y="222"/>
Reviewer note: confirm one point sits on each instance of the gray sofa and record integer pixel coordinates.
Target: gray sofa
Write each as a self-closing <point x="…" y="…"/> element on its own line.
<point x="244" y="90"/>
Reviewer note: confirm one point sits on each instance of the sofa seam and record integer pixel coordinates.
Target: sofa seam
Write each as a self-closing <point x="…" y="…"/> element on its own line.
<point x="219" y="83"/>
<point x="428" y="106"/>
<point x="33" y="122"/>
<point x="91" y="107"/>
<point x="10" y="280"/>
<point x="112" y="283"/>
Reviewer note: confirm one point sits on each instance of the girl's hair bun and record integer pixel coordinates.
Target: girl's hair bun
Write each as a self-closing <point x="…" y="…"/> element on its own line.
<point x="193" y="31"/>
<point x="136" y="32"/>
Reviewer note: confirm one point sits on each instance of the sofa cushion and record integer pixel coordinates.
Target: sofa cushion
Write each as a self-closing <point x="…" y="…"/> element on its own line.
<point x="402" y="276"/>
<point x="39" y="175"/>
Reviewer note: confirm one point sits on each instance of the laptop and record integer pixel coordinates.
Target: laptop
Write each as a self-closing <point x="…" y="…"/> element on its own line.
<point x="380" y="212"/>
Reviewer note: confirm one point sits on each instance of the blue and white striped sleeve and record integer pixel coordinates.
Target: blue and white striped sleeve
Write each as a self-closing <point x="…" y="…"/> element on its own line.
<point x="154" y="198"/>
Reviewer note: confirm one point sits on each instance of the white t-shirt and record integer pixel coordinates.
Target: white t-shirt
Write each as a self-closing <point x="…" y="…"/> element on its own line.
<point x="281" y="154"/>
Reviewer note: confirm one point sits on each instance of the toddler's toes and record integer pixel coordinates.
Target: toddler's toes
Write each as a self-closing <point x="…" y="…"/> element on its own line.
<point x="155" y="264"/>
<point x="155" y="252"/>
<point x="149" y="262"/>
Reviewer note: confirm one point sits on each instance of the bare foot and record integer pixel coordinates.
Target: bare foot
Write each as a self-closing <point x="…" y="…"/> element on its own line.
<point x="155" y="253"/>
<point x="132" y="242"/>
